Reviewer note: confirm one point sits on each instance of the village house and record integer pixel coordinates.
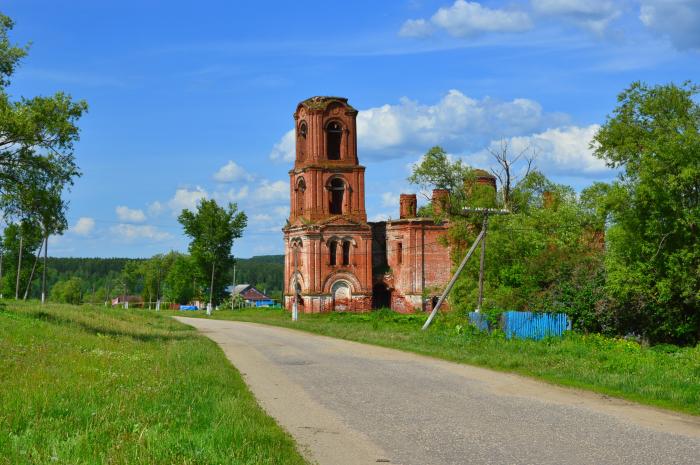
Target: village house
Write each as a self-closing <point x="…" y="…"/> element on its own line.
<point x="335" y="260"/>
<point x="252" y="296"/>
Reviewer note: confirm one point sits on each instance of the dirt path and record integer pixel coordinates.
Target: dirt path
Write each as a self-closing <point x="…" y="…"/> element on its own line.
<point x="351" y="403"/>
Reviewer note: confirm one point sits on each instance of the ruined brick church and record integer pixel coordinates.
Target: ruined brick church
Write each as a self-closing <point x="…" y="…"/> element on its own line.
<point x="334" y="259"/>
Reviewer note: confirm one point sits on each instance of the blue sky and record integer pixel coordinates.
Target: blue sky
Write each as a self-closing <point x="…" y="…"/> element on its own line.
<point x="193" y="99"/>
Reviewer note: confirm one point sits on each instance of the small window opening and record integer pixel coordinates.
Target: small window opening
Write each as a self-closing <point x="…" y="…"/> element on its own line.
<point x="301" y="188"/>
<point x="337" y="189"/>
<point x="301" y="140"/>
<point x="399" y="253"/>
<point x="332" y="246"/>
<point x="334" y="135"/>
<point x="346" y="253"/>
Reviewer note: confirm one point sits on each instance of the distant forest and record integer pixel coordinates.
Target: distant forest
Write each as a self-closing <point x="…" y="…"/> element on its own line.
<point x="101" y="276"/>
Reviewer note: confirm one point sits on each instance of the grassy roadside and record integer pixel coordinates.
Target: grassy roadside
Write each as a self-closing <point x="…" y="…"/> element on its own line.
<point x="663" y="376"/>
<point x="81" y="385"/>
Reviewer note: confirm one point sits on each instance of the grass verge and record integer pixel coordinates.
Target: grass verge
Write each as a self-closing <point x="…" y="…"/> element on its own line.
<point x="81" y="385"/>
<point x="664" y="376"/>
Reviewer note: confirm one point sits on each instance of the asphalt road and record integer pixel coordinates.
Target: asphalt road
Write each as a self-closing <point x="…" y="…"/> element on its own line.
<point x="347" y="403"/>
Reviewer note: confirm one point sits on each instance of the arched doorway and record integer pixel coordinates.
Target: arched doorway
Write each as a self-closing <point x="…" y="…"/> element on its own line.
<point x="381" y="296"/>
<point x="341" y="296"/>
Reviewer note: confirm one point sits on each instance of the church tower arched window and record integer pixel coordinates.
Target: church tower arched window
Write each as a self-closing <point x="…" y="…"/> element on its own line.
<point x="337" y="192"/>
<point x="334" y="136"/>
<point x="299" y="194"/>
<point x="301" y="140"/>
<point x="346" y="253"/>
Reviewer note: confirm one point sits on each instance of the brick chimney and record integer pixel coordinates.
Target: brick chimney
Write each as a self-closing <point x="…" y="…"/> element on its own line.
<point x="441" y="198"/>
<point x="408" y="207"/>
<point x="547" y="199"/>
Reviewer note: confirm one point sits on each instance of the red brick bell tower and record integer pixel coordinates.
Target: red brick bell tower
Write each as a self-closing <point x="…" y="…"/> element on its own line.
<point x="328" y="243"/>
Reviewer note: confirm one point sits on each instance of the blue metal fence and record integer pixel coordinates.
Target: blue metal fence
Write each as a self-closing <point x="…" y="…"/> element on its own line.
<point x="526" y="325"/>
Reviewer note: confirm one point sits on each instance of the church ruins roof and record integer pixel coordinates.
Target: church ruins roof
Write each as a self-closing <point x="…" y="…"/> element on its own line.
<point x="321" y="102"/>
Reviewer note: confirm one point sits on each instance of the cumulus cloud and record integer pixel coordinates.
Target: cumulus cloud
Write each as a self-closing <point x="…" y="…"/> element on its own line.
<point x="269" y="191"/>
<point x="84" y="226"/>
<point x="131" y="215"/>
<point x="284" y="149"/>
<point x="186" y="199"/>
<point x="132" y="232"/>
<point x="155" y="208"/>
<point x="458" y="122"/>
<point x="676" y="19"/>
<point x="260" y="218"/>
<point x="594" y="15"/>
<point x="563" y="150"/>
<point x="416" y="28"/>
<point x="231" y="172"/>
<point x="467" y="19"/>
<point x="389" y="199"/>
<point x="232" y="195"/>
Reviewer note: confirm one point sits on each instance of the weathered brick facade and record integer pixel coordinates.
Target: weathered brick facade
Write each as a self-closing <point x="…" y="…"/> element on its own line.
<point x="334" y="259"/>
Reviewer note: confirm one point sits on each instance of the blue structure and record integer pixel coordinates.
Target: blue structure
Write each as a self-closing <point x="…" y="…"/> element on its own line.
<point x="526" y="325"/>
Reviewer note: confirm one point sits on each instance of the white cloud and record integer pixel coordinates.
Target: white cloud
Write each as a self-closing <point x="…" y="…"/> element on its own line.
<point x="260" y="218"/>
<point x="389" y="199"/>
<point x="155" y="208"/>
<point x="562" y="150"/>
<point x="84" y="226"/>
<point x="186" y="199"/>
<point x="457" y="122"/>
<point x="468" y="19"/>
<point x="271" y="192"/>
<point x="379" y="217"/>
<point x="284" y="150"/>
<point x="131" y="232"/>
<point x="676" y="19"/>
<point x="131" y="215"/>
<point x="233" y="195"/>
<point x="416" y="28"/>
<point x="594" y="15"/>
<point x="231" y="172"/>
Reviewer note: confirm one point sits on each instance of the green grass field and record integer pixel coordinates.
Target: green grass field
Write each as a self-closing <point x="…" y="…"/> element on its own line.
<point x="81" y="385"/>
<point x="664" y="376"/>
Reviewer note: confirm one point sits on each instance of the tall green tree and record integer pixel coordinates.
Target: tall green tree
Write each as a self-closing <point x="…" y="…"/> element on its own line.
<point x="181" y="280"/>
<point x="36" y="134"/>
<point x="213" y="229"/>
<point x="653" y="259"/>
<point x="37" y="138"/>
<point x="68" y="291"/>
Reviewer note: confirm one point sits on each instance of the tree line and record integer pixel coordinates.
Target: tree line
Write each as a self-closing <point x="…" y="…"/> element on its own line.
<point x="621" y="258"/>
<point x="97" y="280"/>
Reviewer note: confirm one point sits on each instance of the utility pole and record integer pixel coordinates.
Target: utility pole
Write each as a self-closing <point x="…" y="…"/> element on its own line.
<point x="158" y="289"/>
<point x="481" y="265"/>
<point x="480" y="238"/>
<point x="43" y="271"/>
<point x="486" y="212"/>
<point x="233" y="283"/>
<point x="2" y="254"/>
<point x="19" y="263"/>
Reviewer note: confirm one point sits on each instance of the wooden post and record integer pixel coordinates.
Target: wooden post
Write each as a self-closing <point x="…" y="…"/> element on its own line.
<point x="43" y="271"/>
<point x="19" y="263"/>
<point x="31" y="275"/>
<point x="453" y="280"/>
<point x="481" y="263"/>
